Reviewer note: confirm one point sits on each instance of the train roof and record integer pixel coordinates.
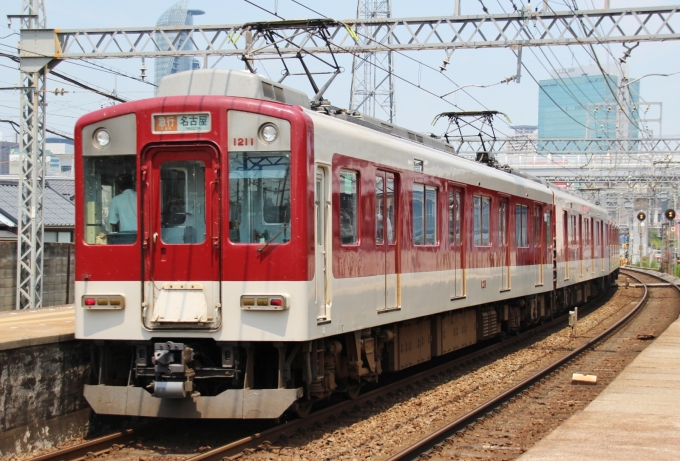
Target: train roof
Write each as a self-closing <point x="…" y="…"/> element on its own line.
<point x="220" y="82"/>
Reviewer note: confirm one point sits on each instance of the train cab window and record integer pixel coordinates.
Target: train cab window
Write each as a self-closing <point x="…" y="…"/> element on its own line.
<point x="424" y="214"/>
<point x="482" y="212"/>
<point x="259" y="197"/>
<point x="349" y="197"/>
<point x="183" y="202"/>
<point x="521" y="220"/>
<point x="110" y="200"/>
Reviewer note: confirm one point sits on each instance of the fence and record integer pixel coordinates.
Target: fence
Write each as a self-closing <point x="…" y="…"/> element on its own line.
<point x="58" y="263"/>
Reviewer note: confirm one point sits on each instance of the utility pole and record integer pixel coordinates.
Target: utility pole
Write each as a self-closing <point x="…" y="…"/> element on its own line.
<point x="32" y="177"/>
<point x="373" y="72"/>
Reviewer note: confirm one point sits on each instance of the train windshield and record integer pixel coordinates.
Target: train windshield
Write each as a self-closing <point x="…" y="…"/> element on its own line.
<point x="110" y="200"/>
<point x="259" y="197"/>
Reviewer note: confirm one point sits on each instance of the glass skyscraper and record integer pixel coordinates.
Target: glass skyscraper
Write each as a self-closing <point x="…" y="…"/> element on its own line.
<point x="580" y="103"/>
<point x="177" y="15"/>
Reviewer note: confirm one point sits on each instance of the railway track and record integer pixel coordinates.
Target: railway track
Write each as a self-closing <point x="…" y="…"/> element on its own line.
<point x="261" y="443"/>
<point x="507" y="425"/>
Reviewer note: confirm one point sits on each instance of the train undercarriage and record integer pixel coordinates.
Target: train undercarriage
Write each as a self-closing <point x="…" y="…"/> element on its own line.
<point x="201" y="378"/>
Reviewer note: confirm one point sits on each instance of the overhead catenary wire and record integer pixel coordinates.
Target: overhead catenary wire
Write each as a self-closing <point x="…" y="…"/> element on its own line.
<point x="15" y="125"/>
<point x="549" y="158"/>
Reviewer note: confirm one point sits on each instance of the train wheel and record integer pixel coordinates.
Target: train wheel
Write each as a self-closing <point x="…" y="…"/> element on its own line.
<point x="353" y="389"/>
<point x="302" y="408"/>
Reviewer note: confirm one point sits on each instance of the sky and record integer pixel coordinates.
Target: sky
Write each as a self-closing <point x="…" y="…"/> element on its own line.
<point x="416" y="107"/>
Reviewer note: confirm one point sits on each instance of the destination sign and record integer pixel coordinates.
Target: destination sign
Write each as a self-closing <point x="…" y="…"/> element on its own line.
<point x="181" y="123"/>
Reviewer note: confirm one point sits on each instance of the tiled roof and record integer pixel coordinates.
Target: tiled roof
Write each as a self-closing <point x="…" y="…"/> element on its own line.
<point x="59" y="211"/>
<point x="65" y="186"/>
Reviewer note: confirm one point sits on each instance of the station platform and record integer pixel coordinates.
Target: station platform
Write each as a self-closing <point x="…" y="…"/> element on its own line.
<point x="637" y="417"/>
<point x="33" y="327"/>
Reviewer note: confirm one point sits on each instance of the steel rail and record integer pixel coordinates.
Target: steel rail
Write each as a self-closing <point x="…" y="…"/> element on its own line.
<point x="415" y="450"/>
<point x="97" y="446"/>
<point x="101" y="445"/>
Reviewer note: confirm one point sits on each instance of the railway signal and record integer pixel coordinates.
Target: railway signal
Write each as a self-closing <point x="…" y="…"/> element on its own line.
<point x="641" y="216"/>
<point x="669" y="214"/>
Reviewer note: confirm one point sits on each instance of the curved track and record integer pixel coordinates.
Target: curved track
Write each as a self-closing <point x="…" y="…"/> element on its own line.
<point x="507" y="437"/>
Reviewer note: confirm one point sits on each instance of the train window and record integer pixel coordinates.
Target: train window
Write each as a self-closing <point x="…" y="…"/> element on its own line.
<point x="521" y="219"/>
<point x="572" y="229"/>
<point x="379" y="208"/>
<point x="110" y="200"/>
<point x="452" y="214"/>
<point x="391" y="205"/>
<point x="349" y="196"/>
<point x="503" y="221"/>
<point x="482" y="212"/>
<point x="459" y="224"/>
<point x="183" y="202"/>
<point x="548" y="229"/>
<point x="259" y="197"/>
<point x="454" y="217"/>
<point x="424" y="214"/>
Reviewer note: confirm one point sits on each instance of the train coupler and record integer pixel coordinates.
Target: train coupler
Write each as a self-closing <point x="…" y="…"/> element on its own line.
<point x="174" y="377"/>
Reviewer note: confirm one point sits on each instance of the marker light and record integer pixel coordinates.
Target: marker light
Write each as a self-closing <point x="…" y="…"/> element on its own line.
<point x="276" y="302"/>
<point x="101" y="138"/>
<point x="268" y="132"/>
<point x="90" y="301"/>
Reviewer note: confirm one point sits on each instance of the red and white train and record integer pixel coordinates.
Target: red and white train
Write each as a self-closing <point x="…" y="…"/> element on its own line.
<point x="240" y="254"/>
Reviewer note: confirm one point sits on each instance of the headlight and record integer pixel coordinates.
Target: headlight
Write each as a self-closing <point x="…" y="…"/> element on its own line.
<point x="268" y="132"/>
<point x="101" y="138"/>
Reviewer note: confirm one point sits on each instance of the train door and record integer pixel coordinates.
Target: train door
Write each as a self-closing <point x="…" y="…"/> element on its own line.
<point x="386" y="238"/>
<point x="457" y="283"/>
<point x="538" y="244"/>
<point x="503" y="242"/>
<point x="181" y="229"/>
<point x="322" y="255"/>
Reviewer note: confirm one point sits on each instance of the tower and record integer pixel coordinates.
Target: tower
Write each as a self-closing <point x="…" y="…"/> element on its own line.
<point x="372" y="90"/>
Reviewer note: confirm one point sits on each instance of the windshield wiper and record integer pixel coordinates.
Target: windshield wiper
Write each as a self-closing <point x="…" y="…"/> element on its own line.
<point x="259" y="250"/>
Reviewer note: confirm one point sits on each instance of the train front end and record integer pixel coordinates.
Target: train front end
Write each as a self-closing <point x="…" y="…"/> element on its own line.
<point x="194" y="248"/>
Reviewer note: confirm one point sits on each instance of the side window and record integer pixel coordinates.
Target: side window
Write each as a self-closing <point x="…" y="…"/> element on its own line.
<point x="548" y="229"/>
<point x="459" y="211"/>
<point x="482" y="213"/>
<point x="349" y="219"/>
<point x="454" y="217"/>
<point x="379" y="209"/>
<point x="537" y="227"/>
<point x="503" y="221"/>
<point x="424" y="214"/>
<point x="391" y="205"/>
<point x="521" y="218"/>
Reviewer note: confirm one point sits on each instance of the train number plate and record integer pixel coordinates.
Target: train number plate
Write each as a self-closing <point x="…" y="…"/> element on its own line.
<point x="181" y="123"/>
